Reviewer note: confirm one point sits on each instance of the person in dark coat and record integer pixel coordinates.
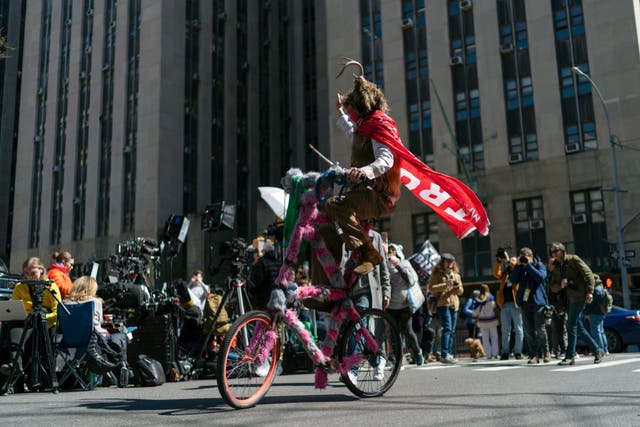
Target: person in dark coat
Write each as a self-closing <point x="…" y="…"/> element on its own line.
<point x="263" y="276"/>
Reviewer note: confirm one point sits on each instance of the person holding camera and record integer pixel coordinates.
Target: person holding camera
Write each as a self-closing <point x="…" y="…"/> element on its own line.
<point x="446" y="285"/>
<point x="530" y="274"/>
<point x="571" y="273"/>
<point x="510" y="314"/>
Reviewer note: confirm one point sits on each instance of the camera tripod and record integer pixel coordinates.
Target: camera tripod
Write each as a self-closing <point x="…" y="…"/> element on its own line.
<point x="35" y="327"/>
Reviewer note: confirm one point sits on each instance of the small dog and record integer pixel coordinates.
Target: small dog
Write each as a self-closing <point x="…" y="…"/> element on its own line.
<point x="475" y="348"/>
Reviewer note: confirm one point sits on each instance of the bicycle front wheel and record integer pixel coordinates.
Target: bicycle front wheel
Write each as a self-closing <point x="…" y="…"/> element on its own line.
<point x="373" y="344"/>
<point x="248" y="359"/>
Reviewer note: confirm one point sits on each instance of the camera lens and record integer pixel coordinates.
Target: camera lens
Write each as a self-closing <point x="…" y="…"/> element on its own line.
<point x="524" y="259"/>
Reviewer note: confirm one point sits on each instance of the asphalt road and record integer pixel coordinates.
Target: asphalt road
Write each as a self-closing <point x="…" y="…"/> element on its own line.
<point x="496" y="393"/>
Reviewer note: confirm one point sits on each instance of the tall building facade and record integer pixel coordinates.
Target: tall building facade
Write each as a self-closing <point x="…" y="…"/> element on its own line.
<point x="486" y="91"/>
<point x="132" y="110"/>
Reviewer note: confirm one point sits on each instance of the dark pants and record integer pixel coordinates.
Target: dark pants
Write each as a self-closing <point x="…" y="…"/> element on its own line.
<point x="535" y="329"/>
<point x="404" y="321"/>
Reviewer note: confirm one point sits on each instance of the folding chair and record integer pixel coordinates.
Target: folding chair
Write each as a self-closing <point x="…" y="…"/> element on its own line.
<point x="77" y="329"/>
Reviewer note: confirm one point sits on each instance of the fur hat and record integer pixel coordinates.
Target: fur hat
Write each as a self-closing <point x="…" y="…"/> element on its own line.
<point x="398" y="249"/>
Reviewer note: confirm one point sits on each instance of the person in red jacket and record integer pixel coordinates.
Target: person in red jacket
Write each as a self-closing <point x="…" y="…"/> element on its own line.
<point x="59" y="271"/>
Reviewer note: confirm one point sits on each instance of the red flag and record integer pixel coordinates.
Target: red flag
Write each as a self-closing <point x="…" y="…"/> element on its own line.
<point x="454" y="202"/>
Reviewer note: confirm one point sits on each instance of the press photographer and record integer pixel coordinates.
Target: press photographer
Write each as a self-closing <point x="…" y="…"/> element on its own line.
<point x="510" y="314"/>
<point x="530" y="273"/>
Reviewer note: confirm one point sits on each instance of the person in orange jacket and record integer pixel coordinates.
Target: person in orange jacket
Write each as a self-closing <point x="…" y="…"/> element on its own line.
<point x="59" y="271"/>
<point x="509" y="311"/>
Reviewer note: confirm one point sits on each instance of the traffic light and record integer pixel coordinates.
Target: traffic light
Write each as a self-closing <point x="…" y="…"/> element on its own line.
<point x="608" y="282"/>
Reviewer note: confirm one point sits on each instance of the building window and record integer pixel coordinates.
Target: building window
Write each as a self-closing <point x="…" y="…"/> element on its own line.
<point x="371" y="24"/>
<point x="310" y="82"/>
<point x="242" y="99"/>
<point x="590" y="228"/>
<point x="424" y="226"/>
<point x="57" y="180"/>
<point x="191" y="83"/>
<point x="528" y="217"/>
<point x="468" y="126"/>
<point x="416" y="69"/>
<point x="383" y="225"/>
<point x="131" y="116"/>
<point x="287" y="147"/>
<point x="575" y="91"/>
<point x="82" y="144"/>
<point x="477" y="259"/>
<point x="217" y="101"/>
<point x="516" y="75"/>
<point x="265" y="149"/>
<point x="41" y="117"/>
<point x="106" y="117"/>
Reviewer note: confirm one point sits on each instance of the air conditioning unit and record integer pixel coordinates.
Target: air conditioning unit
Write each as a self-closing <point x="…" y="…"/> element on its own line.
<point x="112" y="24"/>
<point x="506" y="48"/>
<point x="67" y="22"/>
<point x="466" y="5"/>
<point x="516" y="158"/>
<point x="407" y="23"/>
<point x="195" y="76"/>
<point x="536" y="224"/>
<point x="572" y="148"/>
<point x="456" y="60"/>
<point x="89" y="12"/>
<point x="222" y="16"/>
<point x="579" y="218"/>
<point x="87" y="49"/>
<point x="195" y="24"/>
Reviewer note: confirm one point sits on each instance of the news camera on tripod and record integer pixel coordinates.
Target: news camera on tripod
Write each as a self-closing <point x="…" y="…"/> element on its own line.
<point x="41" y="298"/>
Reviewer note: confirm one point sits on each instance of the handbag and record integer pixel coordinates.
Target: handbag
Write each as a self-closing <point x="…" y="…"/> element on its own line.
<point x="416" y="298"/>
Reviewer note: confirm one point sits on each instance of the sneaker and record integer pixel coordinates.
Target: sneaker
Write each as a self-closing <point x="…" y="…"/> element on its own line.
<point x="566" y="362"/>
<point x="504" y="356"/>
<point x="598" y="357"/>
<point x="518" y="356"/>
<point x="448" y="359"/>
<point x="419" y="360"/>
<point x="263" y="369"/>
<point x="378" y="371"/>
<point x="353" y="377"/>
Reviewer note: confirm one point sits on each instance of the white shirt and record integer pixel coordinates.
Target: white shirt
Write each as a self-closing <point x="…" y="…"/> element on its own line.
<point x="383" y="156"/>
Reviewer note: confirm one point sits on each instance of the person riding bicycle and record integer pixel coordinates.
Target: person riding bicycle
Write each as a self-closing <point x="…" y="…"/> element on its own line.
<point x="374" y="175"/>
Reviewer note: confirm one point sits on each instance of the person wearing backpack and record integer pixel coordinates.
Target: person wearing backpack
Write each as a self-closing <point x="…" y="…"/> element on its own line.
<point x="572" y="274"/>
<point x="596" y="312"/>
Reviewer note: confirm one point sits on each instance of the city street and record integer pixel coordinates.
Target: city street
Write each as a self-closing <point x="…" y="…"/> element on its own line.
<point x="495" y="393"/>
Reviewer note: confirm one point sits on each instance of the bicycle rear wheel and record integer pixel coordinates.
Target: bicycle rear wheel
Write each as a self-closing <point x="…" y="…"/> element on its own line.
<point x="248" y="359"/>
<point x="379" y="362"/>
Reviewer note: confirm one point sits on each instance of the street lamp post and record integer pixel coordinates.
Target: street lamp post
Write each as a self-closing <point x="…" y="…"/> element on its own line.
<point x="622" y="262"/>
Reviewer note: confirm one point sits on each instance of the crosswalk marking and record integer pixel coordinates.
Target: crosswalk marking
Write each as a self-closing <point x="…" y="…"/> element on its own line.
<point x="497" y="368"/>
<point x="594" y="366"/>
<point x="433" y="367"/>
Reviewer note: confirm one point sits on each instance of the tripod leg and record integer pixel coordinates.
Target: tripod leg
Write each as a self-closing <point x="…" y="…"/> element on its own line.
<point x="51" y="358"/>
<point x="16" y="361"/>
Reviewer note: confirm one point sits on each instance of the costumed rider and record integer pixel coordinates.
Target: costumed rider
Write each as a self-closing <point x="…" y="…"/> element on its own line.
<point x="374" y="175"/>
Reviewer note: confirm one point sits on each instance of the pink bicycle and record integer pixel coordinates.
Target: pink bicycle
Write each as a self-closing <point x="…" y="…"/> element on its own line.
<point x="363" y="347"/>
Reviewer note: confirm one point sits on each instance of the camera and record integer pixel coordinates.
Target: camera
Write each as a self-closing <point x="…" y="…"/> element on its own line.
<point x="523" y="259"/>
<point x="501" y="253"/>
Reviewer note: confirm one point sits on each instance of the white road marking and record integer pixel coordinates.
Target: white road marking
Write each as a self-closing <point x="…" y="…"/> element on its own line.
<point x="498" y="368"/>
<point x="428" y="368"/>
<point x="594" y="366"/>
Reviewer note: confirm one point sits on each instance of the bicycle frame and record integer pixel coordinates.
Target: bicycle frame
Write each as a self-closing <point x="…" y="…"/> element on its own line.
<point x="307" y="223"/>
